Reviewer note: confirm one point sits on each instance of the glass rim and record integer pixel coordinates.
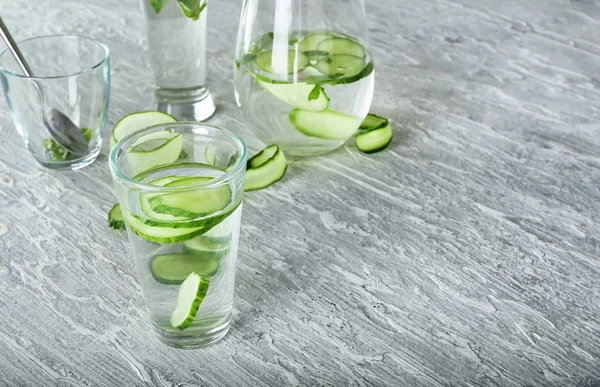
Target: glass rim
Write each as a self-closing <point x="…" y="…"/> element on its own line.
<point x="123" y="178"/>
<point x="68" y="36"/>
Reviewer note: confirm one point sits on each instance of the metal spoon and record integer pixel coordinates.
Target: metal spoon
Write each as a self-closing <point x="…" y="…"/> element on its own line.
<point x="61" y="128"/>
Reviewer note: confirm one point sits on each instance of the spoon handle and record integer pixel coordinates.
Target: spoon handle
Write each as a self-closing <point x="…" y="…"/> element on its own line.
<point x="12" y="46"/>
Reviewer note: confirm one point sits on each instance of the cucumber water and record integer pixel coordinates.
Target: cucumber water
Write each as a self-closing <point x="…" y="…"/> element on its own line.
<point x="308" y="97"/>
<point x="178" y="236"/>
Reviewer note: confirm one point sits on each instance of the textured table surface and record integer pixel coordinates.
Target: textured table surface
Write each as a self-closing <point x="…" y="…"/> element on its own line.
<point x="465" y="255"/>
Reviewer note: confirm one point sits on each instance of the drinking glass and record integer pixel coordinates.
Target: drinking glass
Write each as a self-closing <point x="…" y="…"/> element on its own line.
<point x="304" y="73"/>
<point x="180" y="188"/>
<point x="73" y="72"/>
<point x="177" y="53"/>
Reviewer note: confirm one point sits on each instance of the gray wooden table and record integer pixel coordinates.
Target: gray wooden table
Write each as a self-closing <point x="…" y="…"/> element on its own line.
<point x="465" y="255"/>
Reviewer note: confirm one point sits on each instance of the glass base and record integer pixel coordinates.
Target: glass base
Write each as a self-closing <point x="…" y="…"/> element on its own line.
<point x="194" y="104"/>
<point x="70" y="165"/>
<point x="183" y="340"/>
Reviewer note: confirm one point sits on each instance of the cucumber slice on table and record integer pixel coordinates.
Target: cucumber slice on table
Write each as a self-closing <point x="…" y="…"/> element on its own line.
<point x="283" y="63"/>
<point x="153" y="150"/>
<point x="328" y="125"/>
<point x="340" y="65"/>
<point x="192" y="204"/>
<point x="297" y="95"/>
<point x="201" y="247"/>
<point x="115" y="218"/>
<point x="266" y="168"/>
<point x="373" y="140"/>
<point x="173" y="269"/>
<point x="138" y="121"/>
<point x="311" y="41"/>
<point x="375" y="134"/>
<point x="373" y="121"/>
<point x="339" y="45"/>
<point x="191" y="294"/>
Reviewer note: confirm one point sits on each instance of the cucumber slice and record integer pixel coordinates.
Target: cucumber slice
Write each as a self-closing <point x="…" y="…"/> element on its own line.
<point x="191" y="294"/>
<point x="173" y="269"/>
<point x="311" y="41"/>
<point x="265" y="61"/>
<point x="296" y="95"/>
<point x="345" y="46"/>
<point x="316" y="54"/>
<point x="152" y="141"/>
<point x="210" y="156"/>
<point x="220" y="234"/>
<point x="140" y="159"/>
<point x="147" y="208"/>
<point x="373" y="121"/>
<point x="201" y="247"/>
<point x="115" y="218"/>
<point x="266" y="168"/>
<point x="168" y="232"/>
<point x="138" y="121"/>
<point x="192" y="204"/>
<point x="185" y="181"/>
<point x="374" y="140"/>
<point x="340" y="65"/>
<point x="328" y="125"/>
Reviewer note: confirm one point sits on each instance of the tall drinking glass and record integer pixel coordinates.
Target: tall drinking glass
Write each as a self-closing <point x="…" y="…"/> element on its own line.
<point x="177" y="53"/>
<point x="180" y="187"/>
<point x="304" y="72"/>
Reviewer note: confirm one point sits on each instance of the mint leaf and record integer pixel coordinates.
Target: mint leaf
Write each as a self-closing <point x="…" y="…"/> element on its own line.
<point x="315" y="93"/>
<point x="54" y="151"/>
<point x="192" y="8"/>
<point x="158" y="4"/>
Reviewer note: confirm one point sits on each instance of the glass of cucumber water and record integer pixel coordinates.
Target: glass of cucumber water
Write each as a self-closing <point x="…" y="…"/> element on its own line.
<point x="180" y="188"/>
<point x="304" y="74"/>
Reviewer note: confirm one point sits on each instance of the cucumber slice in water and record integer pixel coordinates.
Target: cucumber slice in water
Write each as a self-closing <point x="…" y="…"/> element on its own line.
<point x="192" y="204"/>
<point x="138" y="121"/>
<point x="141" y="158"/>
<point x="147" y="209"/>
<point x="374" y="140"/>
<point x="345" y="46"/>
<point x="201" y="247"/>
<point x="328" y="125"/>
<point x="296" y="95"/>
<point x="311" y="41"/>
<point x="115" y="218"/>
<point x="266" y="168"/>
<point x="168" y="232"/>
<point x="281" y="63"/>
<point x="220" y="234"/>
<point x="173" y="269"/>
<point x="191" y="294"/>
<point x="340" y="65"/>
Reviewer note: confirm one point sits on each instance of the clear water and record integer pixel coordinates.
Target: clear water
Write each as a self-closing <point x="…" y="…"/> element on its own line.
<point x="269" y="115"/>
<point x="216" y="307"/>
<point x="177" y="47"/>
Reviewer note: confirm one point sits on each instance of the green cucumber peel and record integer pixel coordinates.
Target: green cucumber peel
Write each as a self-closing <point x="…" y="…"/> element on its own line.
<point x="191" y="294"/>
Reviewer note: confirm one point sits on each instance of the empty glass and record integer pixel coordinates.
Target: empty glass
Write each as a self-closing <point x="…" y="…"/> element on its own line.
<point x="304" y="74"/>
<point x="73" y="72"/>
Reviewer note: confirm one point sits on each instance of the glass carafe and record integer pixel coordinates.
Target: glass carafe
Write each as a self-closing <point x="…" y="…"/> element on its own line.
<point x="304" y="74"/>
